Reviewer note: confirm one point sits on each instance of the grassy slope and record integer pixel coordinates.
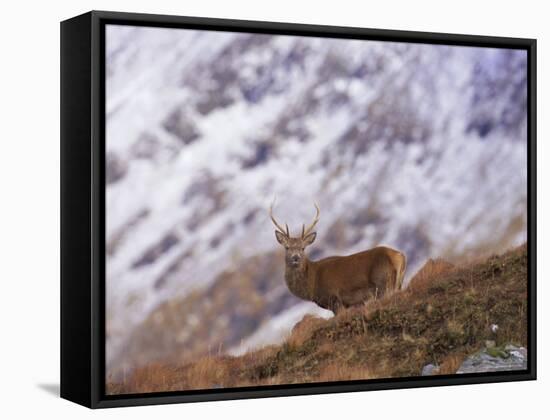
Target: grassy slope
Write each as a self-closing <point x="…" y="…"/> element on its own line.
<point x="440" y="318"/>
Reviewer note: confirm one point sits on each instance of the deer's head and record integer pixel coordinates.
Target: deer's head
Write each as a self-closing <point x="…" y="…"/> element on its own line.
<point x="295" y="247"/>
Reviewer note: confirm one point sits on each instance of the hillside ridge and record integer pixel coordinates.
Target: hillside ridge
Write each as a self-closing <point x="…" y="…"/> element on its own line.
<point x="444" y="316"/>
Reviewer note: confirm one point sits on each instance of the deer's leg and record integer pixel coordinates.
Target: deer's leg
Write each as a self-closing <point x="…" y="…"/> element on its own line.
<point x="357" y="296"/>
<point x="336" y="304"/>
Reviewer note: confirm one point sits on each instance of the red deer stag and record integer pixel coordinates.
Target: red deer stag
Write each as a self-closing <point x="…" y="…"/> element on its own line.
<point x="338" y="282"/>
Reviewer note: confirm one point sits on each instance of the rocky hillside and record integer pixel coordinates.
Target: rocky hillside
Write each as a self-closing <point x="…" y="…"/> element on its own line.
<point x="420" y="147"/>
<point x="445" y="315"/>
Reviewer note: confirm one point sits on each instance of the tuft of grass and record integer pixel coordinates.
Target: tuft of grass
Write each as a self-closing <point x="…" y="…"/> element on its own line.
<point x="442" y="317"/>
<point x="333" y="371"/>
<point x="302" y="331"/>
<point x="450" y="363"/>
<point x="432" y="269"/>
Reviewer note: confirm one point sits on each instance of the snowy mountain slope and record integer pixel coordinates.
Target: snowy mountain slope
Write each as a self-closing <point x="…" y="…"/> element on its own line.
<point x="417" y="146"/>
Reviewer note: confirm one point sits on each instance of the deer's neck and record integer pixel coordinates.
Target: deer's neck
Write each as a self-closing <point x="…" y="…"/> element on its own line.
<point x="299" y="280"/>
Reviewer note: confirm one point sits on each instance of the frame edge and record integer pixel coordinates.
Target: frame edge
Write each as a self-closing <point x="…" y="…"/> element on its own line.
<point x="76" y="227"/>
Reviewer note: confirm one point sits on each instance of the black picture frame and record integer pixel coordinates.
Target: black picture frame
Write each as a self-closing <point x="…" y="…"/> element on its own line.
<point x="83" y="210"/>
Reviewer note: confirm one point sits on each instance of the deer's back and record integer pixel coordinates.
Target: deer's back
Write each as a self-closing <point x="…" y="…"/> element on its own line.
<point x="366" y="271"/>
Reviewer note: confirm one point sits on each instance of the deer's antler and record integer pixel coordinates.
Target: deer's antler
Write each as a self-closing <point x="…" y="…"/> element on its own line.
<point x="283" y="231"/>
<point x="307" y="231"/>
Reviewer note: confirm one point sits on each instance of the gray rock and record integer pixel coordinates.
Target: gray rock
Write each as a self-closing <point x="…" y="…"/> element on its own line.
<point x="520" y="352"/>
<point x="490" y="343"/>
<point x="430" y="370"/>
<point x="495" y="359"/>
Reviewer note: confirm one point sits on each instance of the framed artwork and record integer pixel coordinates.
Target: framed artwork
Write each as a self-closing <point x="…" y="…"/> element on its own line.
<point x="255" y="209"/>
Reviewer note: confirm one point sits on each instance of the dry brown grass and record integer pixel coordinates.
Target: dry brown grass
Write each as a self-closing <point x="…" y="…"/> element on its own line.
<point x="205" y="373"/>
<point x="334" y="371"/>
<point x="432" y="269"/>
<point x="441" y="318"/>
<point x="303" y="330"/>
<point x="451" y="363"/>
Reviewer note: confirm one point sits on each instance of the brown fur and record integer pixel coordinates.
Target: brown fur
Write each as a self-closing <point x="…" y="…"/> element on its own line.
<point x="336" y="282"/>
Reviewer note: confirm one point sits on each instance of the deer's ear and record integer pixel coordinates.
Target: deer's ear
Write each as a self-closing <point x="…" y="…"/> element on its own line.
<point x="308" y="240"/>
<point x="281" y="238"/>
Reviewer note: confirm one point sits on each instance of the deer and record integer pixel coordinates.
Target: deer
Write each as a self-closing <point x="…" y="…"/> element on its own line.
<point x="338" y="282"/>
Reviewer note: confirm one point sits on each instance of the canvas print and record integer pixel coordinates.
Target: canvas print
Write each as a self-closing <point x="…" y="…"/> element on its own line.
<point x="286" y="209"/>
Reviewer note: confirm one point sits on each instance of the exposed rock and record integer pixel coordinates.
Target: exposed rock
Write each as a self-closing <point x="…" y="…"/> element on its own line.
<point x="495" y="359"/>
<point x="181" y="126"/>
<point x="115" y="168"/>
<point x="260" y="154"/>
<point x="114" y="241"/>
<point x="430" y="370"/>
<point x="147" y="146"/>
<point x="152" y="254"/>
